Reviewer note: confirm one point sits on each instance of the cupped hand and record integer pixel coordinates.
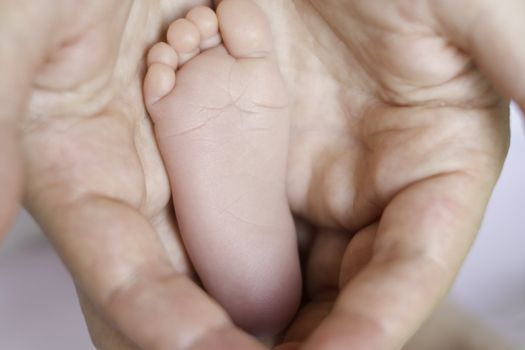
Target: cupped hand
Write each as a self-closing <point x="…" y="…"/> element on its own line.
<point x="400" y="129"/>
<point x="72" y="117"/>
<point x="398" y="138"/>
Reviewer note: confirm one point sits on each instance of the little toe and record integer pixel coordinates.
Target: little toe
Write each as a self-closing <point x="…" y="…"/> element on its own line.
<point x="158" y="82"/>
<point x="245" y="29"/>
<point x="205" y="19"/>
<point x="162" y="53"/>
<point x="185" y="38"/>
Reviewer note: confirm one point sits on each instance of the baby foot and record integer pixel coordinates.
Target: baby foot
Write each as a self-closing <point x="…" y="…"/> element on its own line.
<point x="221" y="119"/>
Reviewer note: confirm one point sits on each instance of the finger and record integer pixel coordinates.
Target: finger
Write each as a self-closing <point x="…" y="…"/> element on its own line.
<point x="322" y="280"/>
<point x="324" y="261"/>
<point x="420" y="243"/>
<point x="118" y="262"/>
<point x="103" y="335"/>
<point x="493" y="32"/>
<point x="106" y="337"/>
<point x="358" y="254"/>
<point x="307" y="320"/>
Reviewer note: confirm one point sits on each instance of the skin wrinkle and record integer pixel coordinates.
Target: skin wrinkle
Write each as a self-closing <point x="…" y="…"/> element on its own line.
<point x="241" y="95"/>
<point x="153" y="341"/>
<point x="196" y="128"/>
<point x="263" y="308"/>
<point x="363" y="90"/>
<point x="392" y="96"/>
<point x="343" y="99"/>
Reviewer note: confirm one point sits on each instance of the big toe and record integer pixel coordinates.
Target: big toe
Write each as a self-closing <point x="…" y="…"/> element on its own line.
<point x="245" y="29"/>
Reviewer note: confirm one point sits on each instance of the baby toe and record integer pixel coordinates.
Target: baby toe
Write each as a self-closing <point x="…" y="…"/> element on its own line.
<point x="162" y="53"/>
<point x="158" y="82"/>
<point x="205" y="19"/>
<point x="185" y="38"/>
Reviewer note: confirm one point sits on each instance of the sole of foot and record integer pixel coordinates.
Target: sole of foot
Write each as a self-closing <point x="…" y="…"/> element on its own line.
<point x="220" y="108"/>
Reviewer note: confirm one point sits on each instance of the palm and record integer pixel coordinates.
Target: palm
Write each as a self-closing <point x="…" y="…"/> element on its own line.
<point x="372" y="137"/>
<point x="109" y="150"/>
<point x="96" y="145"/>
<point x="375" y="112"/>
<point x="390" y="121"/>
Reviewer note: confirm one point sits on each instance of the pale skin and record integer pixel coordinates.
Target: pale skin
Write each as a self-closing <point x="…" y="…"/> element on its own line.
<point x="403" y="155"/>
<point x="220" y="109"/>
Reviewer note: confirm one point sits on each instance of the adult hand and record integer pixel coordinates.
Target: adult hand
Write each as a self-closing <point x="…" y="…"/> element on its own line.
<point x="87" y="145"/>
<point x="399" y="134"/>
<point x="71" y="112"/>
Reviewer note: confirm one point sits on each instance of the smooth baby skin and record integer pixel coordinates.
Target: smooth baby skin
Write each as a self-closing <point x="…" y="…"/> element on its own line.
<point x="222" y="126"/>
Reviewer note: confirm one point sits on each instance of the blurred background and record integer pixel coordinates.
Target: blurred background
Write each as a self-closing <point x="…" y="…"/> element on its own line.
<point x="39" y="310"/>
